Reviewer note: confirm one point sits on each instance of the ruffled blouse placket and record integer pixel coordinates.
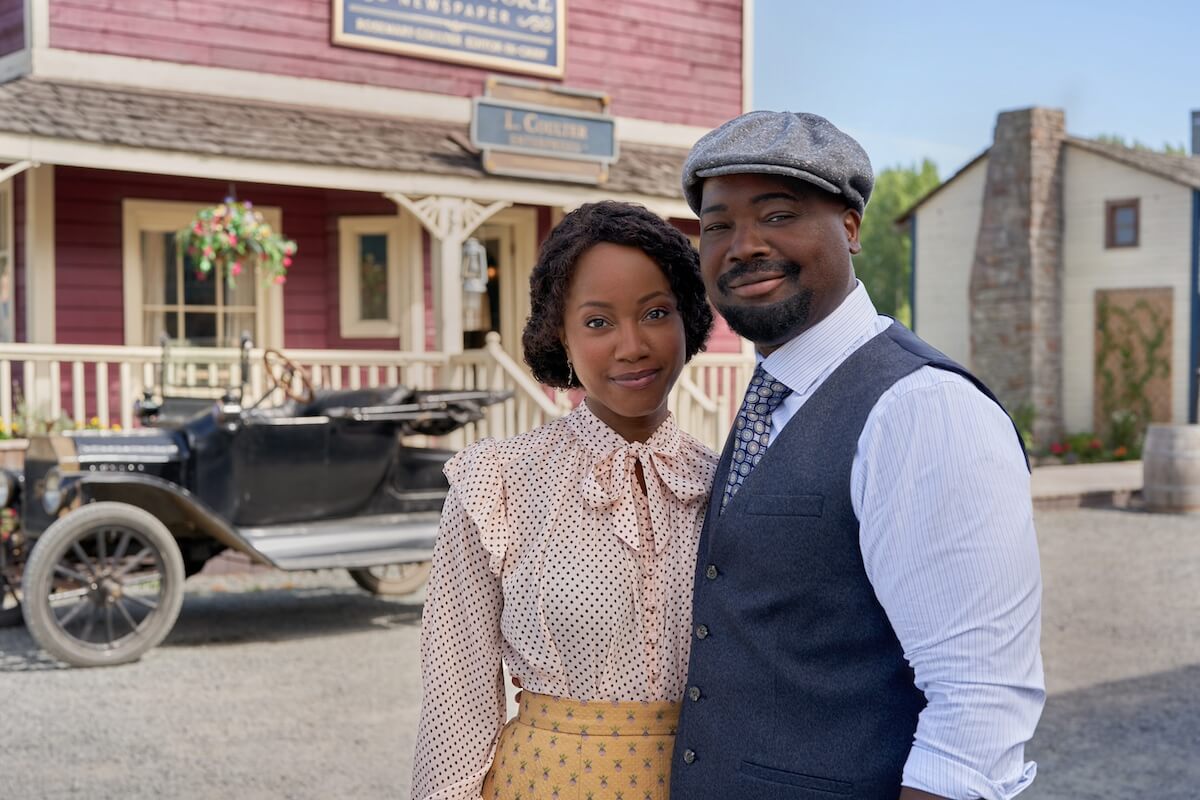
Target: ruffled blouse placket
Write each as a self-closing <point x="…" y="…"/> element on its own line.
<point x="646" y="522"/>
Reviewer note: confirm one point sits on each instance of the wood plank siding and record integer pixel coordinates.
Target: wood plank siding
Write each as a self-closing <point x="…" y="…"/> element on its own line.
<point x="12" y="26"/>
<point x="667" y="60"/>
<point x="89" y="236"/>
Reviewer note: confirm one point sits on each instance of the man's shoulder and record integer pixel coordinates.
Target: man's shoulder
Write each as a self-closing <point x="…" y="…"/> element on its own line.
<point x="935" y="399"/>
<point x="933" y="385"/>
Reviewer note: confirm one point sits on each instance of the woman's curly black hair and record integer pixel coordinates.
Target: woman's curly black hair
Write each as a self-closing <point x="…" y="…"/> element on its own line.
<point x="616" y="223"/>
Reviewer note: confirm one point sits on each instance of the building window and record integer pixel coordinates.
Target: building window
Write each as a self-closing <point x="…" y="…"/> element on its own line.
<point x="166" y="296"/>
<point x="187" y="306"/>
<point x="8" y="286"/>
<point x="1121" y="223"/>
<point x="378" y="257"/>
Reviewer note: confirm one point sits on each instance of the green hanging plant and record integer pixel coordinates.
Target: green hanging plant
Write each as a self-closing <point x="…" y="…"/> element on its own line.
<point x="230" y="239"/>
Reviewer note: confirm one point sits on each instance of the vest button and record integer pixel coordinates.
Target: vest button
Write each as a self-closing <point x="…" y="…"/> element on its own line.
<point x="701" y="631"/>
<point x="689" y="756"/>
<point x="693" y="693"/>
<point x="711" y="572"/>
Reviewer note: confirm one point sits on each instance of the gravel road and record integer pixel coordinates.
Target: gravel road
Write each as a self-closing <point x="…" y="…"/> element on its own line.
<point x="303" y="686"/>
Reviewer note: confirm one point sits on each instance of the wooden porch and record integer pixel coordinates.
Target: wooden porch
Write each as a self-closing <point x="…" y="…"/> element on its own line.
<point x="88" y="384"/>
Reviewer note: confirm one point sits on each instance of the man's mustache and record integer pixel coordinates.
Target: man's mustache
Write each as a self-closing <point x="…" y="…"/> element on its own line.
<point x="789" y="269"/>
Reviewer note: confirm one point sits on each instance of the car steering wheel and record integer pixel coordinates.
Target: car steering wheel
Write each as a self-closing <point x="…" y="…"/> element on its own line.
<point x="281" y="371"/>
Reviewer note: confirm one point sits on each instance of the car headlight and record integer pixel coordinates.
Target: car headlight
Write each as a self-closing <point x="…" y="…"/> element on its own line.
<point x="8" y="485"/>
<point x="52" y="492"/>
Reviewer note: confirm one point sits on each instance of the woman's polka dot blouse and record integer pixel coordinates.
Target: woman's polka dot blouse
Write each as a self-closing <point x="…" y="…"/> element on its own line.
<point x="553" y="558"/>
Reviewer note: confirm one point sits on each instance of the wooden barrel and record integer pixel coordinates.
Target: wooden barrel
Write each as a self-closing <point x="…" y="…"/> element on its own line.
<point x="1171" y="468"/>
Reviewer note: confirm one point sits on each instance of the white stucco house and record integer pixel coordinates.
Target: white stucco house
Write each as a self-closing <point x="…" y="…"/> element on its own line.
<point x="1048" y="256"/>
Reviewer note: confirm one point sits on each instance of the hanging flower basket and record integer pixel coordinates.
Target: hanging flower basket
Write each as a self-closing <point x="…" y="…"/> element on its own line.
<point x="232" y="238"/>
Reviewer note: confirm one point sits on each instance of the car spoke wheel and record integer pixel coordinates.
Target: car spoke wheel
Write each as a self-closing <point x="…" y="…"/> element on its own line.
<point x="392" y="580"/>
<point x="103" y="585"/>
<point x="10" y="603"/>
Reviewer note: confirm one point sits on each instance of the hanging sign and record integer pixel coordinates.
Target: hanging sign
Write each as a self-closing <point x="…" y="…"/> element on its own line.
<point x="542" y="130"/>
<point x="526" y="36"/>
<point x="531" y="130"/>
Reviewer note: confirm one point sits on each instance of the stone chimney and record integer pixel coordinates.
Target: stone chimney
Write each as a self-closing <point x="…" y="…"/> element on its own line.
<point x="1016" y="278"/>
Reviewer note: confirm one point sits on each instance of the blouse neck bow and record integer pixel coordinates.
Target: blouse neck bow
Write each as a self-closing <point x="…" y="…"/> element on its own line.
<point x="674" y="481"/>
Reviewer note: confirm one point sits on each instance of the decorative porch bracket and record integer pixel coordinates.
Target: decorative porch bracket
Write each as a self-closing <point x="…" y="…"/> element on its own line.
<point x="449" y="220"/>
<point x="13" y="170"/>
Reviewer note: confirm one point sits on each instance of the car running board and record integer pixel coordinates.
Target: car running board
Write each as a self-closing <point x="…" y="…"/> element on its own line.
<point x="358" y="542"/>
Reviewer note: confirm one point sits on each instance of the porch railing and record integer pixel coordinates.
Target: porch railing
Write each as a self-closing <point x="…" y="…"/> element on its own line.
<point x="101" y="382"/>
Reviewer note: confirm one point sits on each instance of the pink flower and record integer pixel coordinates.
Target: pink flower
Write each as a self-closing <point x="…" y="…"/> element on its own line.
<point x="281" y="279"/>
<point x="236" y="269"/>
<point x="208" y="252"/>
<point x="233" y="238"/>
<point x="287" y="261"/>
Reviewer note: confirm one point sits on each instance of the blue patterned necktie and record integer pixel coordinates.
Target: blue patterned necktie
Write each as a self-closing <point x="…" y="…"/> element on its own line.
<point x="752" y="428"/>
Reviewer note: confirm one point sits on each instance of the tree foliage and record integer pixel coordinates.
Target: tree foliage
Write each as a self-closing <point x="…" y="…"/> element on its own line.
<point x="1117" y="139"/>
<point x="884" y="265"/>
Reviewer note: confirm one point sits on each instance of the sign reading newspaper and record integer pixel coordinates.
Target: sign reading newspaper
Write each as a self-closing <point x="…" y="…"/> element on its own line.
<point x="535" y="131"/>
<point x="524" y="36"/>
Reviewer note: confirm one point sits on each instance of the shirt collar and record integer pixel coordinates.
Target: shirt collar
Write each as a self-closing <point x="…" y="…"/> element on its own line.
<point x="800" y="362"/>
<point x="599" y="440"/>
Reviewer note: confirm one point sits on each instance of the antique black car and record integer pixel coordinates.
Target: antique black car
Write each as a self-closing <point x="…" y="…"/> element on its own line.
<point x="111" y="523"/>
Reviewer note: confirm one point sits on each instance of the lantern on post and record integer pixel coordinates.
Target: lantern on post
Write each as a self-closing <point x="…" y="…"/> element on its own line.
<point x="475" y="287"/>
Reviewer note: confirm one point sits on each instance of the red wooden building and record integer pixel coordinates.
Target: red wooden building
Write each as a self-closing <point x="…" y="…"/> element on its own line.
<point x="350" y="125"/>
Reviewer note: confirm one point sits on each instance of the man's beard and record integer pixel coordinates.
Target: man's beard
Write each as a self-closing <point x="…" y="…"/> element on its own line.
<point x="765" y="324"/>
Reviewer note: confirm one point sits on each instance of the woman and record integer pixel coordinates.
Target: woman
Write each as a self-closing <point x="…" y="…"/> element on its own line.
<point x="568" y="552"/>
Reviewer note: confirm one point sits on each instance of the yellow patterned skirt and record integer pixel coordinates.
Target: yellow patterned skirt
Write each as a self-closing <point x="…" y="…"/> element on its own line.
<point x="558" y="749"/>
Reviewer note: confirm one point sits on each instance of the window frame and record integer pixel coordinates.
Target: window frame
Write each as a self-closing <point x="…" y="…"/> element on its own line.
<point x="404" y="274"/>
<point x="163" y="216"/>
<point x="1111" y="207"/>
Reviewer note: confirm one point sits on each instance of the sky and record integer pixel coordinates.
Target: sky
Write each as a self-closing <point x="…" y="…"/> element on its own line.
<point x="925" y="78"/>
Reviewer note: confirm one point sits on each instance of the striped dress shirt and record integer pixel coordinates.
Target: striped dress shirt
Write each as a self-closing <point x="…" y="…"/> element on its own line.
<point x="941" y="491"/>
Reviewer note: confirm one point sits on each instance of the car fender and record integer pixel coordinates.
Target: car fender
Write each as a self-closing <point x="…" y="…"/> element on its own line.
<point x="175" y="506"/>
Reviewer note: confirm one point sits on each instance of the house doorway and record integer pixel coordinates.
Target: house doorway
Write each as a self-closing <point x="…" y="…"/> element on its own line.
<point x="510" y="240"/>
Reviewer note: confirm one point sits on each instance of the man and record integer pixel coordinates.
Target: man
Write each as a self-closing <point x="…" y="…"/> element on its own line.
<point x="867" y="599"/>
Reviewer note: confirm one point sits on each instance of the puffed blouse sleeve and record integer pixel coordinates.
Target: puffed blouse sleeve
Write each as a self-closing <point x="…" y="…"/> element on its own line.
<point x="463" y="707"/>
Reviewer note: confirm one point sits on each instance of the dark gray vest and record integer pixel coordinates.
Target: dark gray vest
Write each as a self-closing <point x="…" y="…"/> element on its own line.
<point x="797" y="685"/>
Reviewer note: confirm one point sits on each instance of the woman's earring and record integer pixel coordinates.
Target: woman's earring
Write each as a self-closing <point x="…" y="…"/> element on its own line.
<point x="570" y="375"/>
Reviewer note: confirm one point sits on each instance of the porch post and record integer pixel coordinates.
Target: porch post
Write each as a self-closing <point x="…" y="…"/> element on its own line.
<point x="39" y="255"/>
<point x="449" y="220"/>
<point x="40" y="310"/>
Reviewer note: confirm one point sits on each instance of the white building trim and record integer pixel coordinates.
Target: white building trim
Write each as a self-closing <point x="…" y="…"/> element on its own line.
<point x="47" y="150"/>
<point x="37" y="24"/>
<point x="138" y="73"/>
<point x="747" y="55"/>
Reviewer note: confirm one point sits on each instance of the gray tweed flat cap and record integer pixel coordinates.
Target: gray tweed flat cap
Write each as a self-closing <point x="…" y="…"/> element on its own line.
<point x="804" y="146"/>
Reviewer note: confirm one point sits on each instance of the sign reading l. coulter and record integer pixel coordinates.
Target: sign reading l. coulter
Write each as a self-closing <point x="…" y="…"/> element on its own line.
<point x="514" y="35"/>
<point x="535" y="130"/>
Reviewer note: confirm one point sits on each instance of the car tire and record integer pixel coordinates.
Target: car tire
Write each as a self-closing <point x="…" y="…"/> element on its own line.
<point x="109" y="588"/>
<point x="10" y="604"/>
<point x="393" y="580"/>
